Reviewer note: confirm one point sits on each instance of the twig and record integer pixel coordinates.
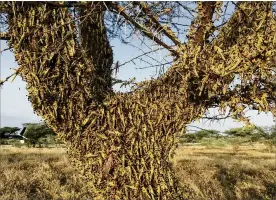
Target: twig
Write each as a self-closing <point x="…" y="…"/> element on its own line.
<point x="1" y="51"/>
<point x="145" y="53"/>
<point x="186" y="8"/>
<point x="158" y="65"/>
<point x="7" y="78"/>
<point x="149" y="34"/>
<point x="169" y="33"/>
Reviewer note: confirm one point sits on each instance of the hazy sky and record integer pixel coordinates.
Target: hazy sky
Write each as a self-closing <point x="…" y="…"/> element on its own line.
<point x="15" y="108"/>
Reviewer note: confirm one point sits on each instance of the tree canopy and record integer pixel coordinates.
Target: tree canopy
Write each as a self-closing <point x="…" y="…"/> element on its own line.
<point x="35" y="131"/>
<point x="8" y="130"/>
<point x="123" y="142"/>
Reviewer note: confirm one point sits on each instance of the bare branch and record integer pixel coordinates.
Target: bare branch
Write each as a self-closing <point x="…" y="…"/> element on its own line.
<point x="144" y="53"/>
<point x="186" y="8"/>
<point x="1" y="51"/>
<point x="144" y="30"/>
<point x="12" y="75"/>
<point x="157" y="65"/>
<point x="164" y="29"/>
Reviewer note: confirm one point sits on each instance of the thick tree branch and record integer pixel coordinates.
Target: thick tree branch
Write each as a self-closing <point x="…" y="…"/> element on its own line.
<point x="204" y="22"/>
<point x="164" y="29"/>
<point x="149" y="34"/>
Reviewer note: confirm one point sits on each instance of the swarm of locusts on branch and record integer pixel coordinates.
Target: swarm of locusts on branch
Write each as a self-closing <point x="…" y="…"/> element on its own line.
<point x="123" y="142"/>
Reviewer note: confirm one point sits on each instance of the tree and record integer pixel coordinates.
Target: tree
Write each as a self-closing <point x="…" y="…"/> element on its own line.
<point x="8" y="130"/>
<point x="189" y="138"/>
<point x="204" y="133"/>
<point x="199" y="135"/>
<point x="252" y="132"/>
<point x="243" y="131"/>
<point x="272" y="132"/>
<point x="36" y="131"/>
<point x="122" y="142"/>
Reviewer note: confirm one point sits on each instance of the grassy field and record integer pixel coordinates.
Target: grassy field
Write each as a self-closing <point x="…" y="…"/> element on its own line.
<point x="248" y="172"/>
<point x="38" y="174"/>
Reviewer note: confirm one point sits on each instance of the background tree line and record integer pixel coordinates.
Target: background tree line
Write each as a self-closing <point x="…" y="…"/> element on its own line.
<point x="33" y="134"/>
<point x="252" y="134"/>
<point x="38" y="134"/>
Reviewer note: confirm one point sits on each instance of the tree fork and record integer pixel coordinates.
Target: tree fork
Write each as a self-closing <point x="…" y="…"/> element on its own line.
<point x="103" y="143"/>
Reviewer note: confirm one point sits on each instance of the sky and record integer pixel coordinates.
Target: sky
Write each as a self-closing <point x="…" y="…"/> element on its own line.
<point x="16" y="109"/>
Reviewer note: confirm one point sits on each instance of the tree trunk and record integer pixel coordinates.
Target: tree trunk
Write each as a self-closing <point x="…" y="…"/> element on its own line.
<point x="69" y="85"/>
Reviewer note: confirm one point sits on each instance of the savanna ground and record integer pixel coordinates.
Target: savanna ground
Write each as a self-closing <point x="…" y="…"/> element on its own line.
<point x="229" y="172"/>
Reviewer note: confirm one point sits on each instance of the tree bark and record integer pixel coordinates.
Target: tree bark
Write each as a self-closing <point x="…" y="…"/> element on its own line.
<point x="95" y="47"/>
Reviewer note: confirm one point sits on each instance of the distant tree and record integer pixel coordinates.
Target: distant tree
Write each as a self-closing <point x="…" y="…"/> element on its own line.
<point x="243" y="131"/>
<point x="270" y="141"/>
<point x="237" y="132"/>
<point x="198" y="135"/>
<point x="253" y="133"/>
<point x="206" y="133"/>
<point x="7" y="130"/>
<point x="188" y="138"/>
<point x="36" y="131"/>
<point x="272" y="132"/>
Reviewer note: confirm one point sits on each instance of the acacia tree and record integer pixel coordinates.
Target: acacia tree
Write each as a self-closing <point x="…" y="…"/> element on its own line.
<point x="123" y="142"/>
<point x="35" y="131"/>
<point x="9" y="130"/>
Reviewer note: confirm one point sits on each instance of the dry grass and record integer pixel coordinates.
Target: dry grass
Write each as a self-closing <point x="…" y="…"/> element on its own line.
<point x="249" y="173"/>
<point x="38" y="174"/>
